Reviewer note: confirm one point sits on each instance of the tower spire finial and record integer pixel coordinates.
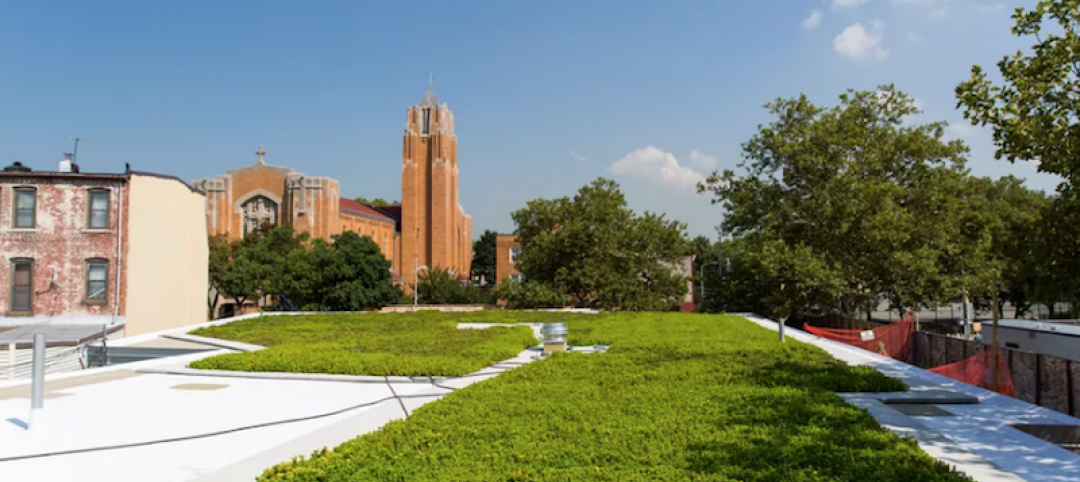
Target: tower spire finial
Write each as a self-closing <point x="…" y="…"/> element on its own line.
<point x="261" y="153"/>
<point x="429" y="99"/>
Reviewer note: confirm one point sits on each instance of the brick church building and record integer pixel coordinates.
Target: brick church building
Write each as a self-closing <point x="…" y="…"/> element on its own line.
<point x="428" y="228"/>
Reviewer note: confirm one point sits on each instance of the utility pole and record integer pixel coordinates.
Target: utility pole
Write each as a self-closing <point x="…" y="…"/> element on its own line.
<point x="966" y="314"/>
<point x="997" y="350"/>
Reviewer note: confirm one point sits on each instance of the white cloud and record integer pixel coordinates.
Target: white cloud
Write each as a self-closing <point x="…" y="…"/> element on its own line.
<point x="914" y="37"/>
<point x="811" y="22"/>
<point x="997" y="7"/>
<point x="936" y="9"/>
<point x="857" y="42"/>
<point x="962" y="129"/>
<point x="847" y="3"/>
<point x="702" y="161"/>
<point x="653" y="163"/>
<point x="579" y="157"/>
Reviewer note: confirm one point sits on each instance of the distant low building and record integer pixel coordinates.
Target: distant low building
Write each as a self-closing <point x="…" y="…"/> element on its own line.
<point x="507" y="248"/>
<point x="125" y="250"/>
<point x="1058" y="339"/>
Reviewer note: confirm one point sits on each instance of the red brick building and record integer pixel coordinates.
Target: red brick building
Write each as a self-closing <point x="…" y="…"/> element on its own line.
<point x="429" y="227"/>
<point x="506" y="248"/>
<point x="99" y="248"/>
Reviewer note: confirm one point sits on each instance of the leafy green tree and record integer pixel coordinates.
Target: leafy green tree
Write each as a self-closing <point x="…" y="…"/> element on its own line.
<point x="599" y="253"/>
<point x="1057" y="257"/>
<point x="240" y="279"/>
<point x="1017" y="241"/>
<point x="353" y="274"/>
<point x="745" y="285"/>
<point x="485" y="256"/>
<point x="440" y="287"/>
<point x="1033" y="111"/>
<point x="222" y="251"/>
<point x="279" y="257"/>
<point x="377" y="202"/>
<point x="848" y="203"/>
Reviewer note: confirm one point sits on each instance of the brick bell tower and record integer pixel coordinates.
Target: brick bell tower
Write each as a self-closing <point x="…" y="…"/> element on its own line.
<point x="431" y="218"/>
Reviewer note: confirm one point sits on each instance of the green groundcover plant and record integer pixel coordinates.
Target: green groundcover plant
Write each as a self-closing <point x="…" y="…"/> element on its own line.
<point x="373" y="344"/>
<point x="676" y="398"/>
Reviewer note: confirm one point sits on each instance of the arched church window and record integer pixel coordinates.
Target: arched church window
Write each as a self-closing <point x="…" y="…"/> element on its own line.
<point x="258" y="211"/>
<point x="427" y="121"/>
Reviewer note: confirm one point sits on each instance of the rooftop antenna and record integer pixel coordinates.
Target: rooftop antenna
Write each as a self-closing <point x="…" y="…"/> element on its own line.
<point x="75" y="152"/>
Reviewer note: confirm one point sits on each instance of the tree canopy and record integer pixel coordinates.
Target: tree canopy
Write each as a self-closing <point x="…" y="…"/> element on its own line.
<point x="1033" y="114"/>
<point x="594" y="250"/>
<point x="1034" y="110"/>
<point x="485" y="257"/>
<point x="377" y="202"/>
<point x="848" y="203"/>
<point x="347" y="274"/>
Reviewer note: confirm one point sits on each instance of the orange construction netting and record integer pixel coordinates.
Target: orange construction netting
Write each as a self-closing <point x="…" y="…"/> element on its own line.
<point x="893" y="340"/>
<point x="979" y="371"/>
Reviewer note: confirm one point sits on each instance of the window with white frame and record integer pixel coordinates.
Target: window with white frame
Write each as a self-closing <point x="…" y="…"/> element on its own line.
<point x="514" y="252"/>
<point x="517" y="278"/>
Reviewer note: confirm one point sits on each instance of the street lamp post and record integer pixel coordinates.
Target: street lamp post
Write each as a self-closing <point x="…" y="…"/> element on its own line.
<point x="416" y="285"/>
<point x="416" y="268"/>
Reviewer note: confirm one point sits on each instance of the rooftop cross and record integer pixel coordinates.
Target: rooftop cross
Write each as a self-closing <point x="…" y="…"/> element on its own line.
<point x="262" y="155"/>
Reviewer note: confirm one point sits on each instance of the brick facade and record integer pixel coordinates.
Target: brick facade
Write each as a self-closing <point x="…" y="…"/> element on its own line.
<point x="60" y="245"/>
<point x="435" y="231"/>
<point x="429" y="228"/>
<point x="504" y="265"/>
<point x="81" y="262"/>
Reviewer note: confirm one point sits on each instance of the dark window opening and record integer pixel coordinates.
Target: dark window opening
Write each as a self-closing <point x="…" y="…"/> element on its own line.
<point x="22" y="286"/>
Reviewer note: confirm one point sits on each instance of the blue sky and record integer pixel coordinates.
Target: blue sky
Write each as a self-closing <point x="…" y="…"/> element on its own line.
<point x="547" y="95"/>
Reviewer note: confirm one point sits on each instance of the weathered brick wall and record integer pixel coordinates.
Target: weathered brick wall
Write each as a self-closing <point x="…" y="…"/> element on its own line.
<point x="60" y="245"/>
